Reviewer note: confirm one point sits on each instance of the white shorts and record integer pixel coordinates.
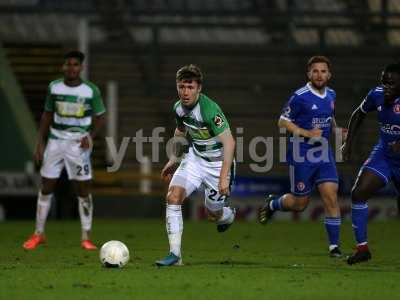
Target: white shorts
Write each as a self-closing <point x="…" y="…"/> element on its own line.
<point x="66" y="153"/>
<point x="195" y="172"/>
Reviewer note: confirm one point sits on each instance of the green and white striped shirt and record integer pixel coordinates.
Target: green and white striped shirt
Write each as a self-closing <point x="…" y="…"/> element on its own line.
<point x="204" y="122"/>
<point x="73" y="108"/>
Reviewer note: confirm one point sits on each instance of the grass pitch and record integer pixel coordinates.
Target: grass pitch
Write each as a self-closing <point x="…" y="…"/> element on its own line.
<point x="277" y="261"/>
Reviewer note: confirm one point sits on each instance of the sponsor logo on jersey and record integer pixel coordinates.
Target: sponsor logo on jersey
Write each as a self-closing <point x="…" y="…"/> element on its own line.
<point x="218" y="121"/>
<point x="390" y="128"/>
<point x="301" y="186"/>
<point x="80" y="100"/>
<point x="321" y="122"/>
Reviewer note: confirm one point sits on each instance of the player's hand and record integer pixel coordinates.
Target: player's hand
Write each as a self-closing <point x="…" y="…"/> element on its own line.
<point x="168" y="171"/>
<point x="85" y="142"/>
<point x="346" y="151"/>
<point x="223" y="186"/>
<point x="39" y="151"/>
<point x="314" y="133"/>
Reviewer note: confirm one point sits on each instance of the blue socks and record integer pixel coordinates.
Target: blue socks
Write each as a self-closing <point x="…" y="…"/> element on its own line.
<point x="276" y="204"/>
<point x="332" y="226"/>
<point x="359" y="218"/>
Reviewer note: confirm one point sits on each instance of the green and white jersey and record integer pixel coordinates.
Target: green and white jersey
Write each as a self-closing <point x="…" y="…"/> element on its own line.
<point x="204" y="122"/>
<point x="73" y="108"/>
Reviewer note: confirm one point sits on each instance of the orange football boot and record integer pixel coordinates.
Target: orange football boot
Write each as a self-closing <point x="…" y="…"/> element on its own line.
<point x="34" y="241"/>
<point x="88" y="245"/>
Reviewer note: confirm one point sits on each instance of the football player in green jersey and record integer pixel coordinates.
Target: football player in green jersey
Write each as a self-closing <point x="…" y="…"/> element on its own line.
<point x="209" y="162"/>
<point x="73" y="115"/>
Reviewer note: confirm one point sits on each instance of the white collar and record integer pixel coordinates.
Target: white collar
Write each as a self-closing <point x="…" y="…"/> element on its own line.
<point x="312" y="90"/>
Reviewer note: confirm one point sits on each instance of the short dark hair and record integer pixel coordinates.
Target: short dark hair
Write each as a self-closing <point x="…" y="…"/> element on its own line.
<point x="318" y="59"/>
<point x="392" y="68"/>
<point x="75" y="54"/>
<point x="189" y="73"/>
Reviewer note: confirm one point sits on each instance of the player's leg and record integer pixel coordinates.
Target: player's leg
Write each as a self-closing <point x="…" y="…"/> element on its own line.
<point x="173" y="218"/>
<point x="215" y="203"/>
<point x="79" y="170"/>
<point x="46" y="192"/>
<point x="85" y="206"/>
<point x="186" y="179"/>
<point x="217" y="211"/>
<point x="174" y="225"/>
<point x="301" y="182"/>
<point x="369" y="181"/>
<point x="327" y="181"/>
<point x="328" y="192"/>
<point x="52" y="166"/>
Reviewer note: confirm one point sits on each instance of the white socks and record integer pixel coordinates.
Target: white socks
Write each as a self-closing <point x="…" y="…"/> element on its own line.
<point x="42" y="210"/>
<point x="174" y="224"/>
<point x="86" y="215"/>
<point x="227" y="216"/>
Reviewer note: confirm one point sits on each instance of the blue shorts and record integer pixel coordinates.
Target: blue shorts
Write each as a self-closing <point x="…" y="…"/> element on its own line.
<point x="382" y="166"/>
<point x="303" y="176"/>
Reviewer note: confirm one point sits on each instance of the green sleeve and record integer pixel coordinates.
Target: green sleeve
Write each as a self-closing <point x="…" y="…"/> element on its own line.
<point x="97" y="103"/>
<point x="49" y="102"/>
<point x="216" y="119"/>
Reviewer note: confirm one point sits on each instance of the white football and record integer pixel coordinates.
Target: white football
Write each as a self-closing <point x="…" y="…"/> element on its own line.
<point x="114" y="254"/>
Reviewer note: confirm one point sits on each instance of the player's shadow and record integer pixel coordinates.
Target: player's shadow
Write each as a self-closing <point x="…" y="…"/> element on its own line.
<point x="224" y="263"/>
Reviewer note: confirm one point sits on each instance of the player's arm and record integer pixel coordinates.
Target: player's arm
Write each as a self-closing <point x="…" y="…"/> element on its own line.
<point x="292" y="110"/>
<point x="177" y="151"/>
<point x="228" y="143"/>
<point x="356" y="119"/>
<point x="98" y="117"/>
<point x="98" y="123"/>
<point x="177" y="144"/>
<point x="296" y="130"/>
<point x="44" y="127"/>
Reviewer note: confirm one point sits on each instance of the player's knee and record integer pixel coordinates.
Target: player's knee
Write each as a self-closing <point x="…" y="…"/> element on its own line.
<point x="46" y="192"/>
<point x="47" y="186"/>
<point x="83" y="188"/>
<point x="83" y="193"/>
<point x="357" y="195"/>
<point x="44" y="195"/>
<point x="47" y="189"/>
<point x="331" y="201"/>
<point x="301" y="203"/>
<point x="174" y="198"/>
<point x="331" y="206"/>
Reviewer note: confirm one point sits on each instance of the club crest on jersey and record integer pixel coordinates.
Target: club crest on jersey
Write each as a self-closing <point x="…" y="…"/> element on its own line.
<point x="396" y="108"/>
<point x="301" y="186"/>
<point x="218" y="121"/>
